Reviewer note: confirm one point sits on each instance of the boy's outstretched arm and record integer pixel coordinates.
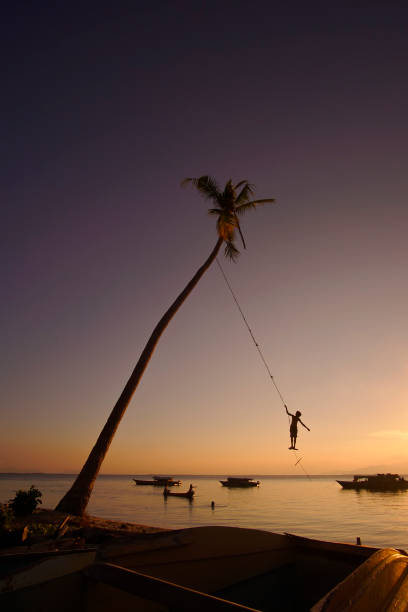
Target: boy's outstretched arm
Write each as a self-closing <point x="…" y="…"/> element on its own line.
<point x="304" y="425"/>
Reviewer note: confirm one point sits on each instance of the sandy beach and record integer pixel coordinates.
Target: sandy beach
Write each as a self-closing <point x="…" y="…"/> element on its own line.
<point x="78" y="532"/>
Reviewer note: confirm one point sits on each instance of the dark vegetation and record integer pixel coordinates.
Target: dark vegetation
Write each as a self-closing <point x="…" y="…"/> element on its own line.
<point x="25" y="502"/>
<point x="14" y="517"/>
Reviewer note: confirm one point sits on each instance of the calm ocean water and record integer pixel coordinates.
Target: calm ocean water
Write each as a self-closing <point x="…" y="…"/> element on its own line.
<point x="316" y="508"/>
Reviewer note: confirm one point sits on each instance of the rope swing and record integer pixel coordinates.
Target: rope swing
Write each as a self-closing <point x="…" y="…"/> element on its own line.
<point x="258" y="348"/>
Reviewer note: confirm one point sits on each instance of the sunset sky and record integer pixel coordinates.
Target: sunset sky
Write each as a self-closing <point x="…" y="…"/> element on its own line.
<point x="106" y="107"/>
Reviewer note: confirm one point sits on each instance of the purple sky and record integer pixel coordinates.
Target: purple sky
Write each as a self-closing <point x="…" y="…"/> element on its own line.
<point x="106" y="107"/>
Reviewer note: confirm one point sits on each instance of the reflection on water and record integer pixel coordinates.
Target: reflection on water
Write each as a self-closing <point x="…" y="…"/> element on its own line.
<point x="317" y="508"/>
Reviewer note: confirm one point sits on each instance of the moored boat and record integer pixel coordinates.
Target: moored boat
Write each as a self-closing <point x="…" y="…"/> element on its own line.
<point x="158" y="481"/>
<point x="240" y="482"/>
<point x="375" y="482"/>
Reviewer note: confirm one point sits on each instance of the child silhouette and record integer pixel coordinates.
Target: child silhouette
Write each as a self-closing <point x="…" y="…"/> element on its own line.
<point x="293" y="427"/>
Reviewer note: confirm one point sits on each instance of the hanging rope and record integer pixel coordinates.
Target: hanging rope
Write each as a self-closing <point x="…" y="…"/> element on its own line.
<point x="251" y="334"/>
<point x="259" y="352"/>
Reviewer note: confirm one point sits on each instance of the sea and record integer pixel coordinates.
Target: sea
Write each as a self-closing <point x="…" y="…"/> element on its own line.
<point x="315" y="506"/>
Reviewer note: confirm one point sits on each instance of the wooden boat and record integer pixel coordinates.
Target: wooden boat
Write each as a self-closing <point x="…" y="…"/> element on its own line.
<point x="166" y="479"/>
<point x="378" y="584"/>
<point x="159" y="481"/>
<point x="240" y="482"/>
<point x="189" y="493"/>
<point x="376" y="482"/>
<point x="209" y="569"/>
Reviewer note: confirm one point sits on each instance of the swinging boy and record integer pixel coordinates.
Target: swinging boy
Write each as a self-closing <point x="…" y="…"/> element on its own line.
<point x="293" y="427"/>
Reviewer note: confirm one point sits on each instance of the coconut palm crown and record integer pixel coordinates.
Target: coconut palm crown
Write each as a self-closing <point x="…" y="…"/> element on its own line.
<point x="233" y="202"/>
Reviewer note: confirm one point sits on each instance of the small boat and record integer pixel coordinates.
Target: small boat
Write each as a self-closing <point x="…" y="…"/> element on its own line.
<point x="166" y="479"/>
<point x="240" y="482"/>
<point x="159" y="481"/>
<point x="189" y="494"/>
<point x="375" y="482"/>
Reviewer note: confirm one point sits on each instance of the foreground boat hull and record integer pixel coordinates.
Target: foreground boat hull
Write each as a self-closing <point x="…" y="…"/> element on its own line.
<point x="217" y="569"/>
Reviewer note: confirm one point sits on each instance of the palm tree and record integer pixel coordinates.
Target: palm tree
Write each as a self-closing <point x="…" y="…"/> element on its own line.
<point x="230" y="204"/>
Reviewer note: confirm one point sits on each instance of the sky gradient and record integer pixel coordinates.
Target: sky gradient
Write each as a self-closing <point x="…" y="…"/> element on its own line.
<point x="106" y="109"/>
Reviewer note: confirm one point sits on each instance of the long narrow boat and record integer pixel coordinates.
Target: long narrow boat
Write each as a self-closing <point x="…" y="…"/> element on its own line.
<point x="189" y="493"/>
<point x="240" y="482"/>
<point x="209" y="569"/>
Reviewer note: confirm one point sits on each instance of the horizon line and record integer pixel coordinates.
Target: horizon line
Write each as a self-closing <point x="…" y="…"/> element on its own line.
<point x="203" y="475"/>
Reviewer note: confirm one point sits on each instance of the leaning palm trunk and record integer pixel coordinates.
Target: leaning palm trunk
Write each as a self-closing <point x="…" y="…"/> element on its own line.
<point x="76" y="499"/>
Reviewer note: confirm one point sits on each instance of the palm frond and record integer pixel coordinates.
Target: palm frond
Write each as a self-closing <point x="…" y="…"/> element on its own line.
<point x="206" y="185"/>
<point x="227" y="197"/>
<point x="243" y="208"/>
<point x="231" y="251"/>
<point x="244" y="194"/>
<point x="238" y="185"/>
<point x="256" y="202"/>
<point x="240" y="232"/>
